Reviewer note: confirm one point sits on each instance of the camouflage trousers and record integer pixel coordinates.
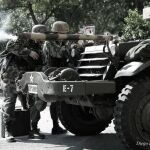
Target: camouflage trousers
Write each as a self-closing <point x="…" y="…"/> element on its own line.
<point x="35" y="105"/>
<point x="10" y="95"/>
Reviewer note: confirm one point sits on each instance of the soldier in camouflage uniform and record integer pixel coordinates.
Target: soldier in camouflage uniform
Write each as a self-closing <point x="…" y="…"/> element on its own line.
<point x="56" y="53"/>
<point x="21" y="55"/>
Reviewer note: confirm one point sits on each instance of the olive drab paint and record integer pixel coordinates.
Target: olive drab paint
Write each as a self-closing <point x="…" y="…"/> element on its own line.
<point x="53" y="36"/>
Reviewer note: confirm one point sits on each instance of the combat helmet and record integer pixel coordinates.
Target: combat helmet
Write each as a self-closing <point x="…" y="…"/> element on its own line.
<point x="60" y="27"/>
<point x="39" y="28"/>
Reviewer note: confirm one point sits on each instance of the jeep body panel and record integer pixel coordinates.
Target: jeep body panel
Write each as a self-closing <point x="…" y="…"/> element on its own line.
<point x="132" y="69"/>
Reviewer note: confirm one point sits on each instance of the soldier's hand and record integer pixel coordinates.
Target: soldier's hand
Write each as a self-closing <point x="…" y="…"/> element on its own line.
<point x="73" y="46"/>
<point x="34" y="55"/>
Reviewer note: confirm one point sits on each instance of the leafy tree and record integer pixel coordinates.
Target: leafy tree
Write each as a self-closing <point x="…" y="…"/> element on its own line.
<point x="104" y="14"/>
<point x="135" y="27"/>
<point x="27" y="13"/>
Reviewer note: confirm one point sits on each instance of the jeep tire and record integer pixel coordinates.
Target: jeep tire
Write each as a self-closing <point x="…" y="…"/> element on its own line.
<point x="79" y="120"/>
<point x="132" y="115"/>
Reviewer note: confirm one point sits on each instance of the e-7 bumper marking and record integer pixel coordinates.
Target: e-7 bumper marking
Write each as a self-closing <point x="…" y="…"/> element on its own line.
<point x="39" y="81"/>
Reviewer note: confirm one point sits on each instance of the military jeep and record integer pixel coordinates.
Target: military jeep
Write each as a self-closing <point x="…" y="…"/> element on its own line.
<point x="101" y="87"/>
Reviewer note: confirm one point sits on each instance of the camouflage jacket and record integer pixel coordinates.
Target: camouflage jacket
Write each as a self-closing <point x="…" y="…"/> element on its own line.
<point x="58" y="50"/>
<point x="20" y="49"/>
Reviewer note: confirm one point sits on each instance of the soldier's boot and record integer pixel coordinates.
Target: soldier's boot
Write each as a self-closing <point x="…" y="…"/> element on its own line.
<point x="8" y="133"/>
<point x="57" y="129"/>
<point x="35" y="133"/>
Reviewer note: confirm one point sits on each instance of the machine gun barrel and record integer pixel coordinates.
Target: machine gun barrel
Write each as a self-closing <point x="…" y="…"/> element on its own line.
<point x="53" y="36"/>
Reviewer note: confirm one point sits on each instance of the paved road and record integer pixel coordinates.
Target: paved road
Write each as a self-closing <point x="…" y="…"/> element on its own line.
<point x="66" y="142"/>
<point x="105" y="141"/>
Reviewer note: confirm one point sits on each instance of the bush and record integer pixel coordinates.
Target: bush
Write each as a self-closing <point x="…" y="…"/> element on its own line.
<point x="135" y="28"/>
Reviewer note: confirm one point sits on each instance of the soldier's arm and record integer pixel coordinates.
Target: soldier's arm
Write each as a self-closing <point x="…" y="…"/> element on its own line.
<point x="18" y="47"/>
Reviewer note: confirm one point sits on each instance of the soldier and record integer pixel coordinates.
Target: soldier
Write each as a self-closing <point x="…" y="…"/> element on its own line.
<point x="21" y="55"/>
<point x="57" y="50"/>
<point x="56" y="53"/>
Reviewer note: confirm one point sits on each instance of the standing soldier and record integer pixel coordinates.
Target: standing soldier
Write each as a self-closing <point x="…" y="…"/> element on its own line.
<point x="21" y="55"/>
<point x="56" y="53"/>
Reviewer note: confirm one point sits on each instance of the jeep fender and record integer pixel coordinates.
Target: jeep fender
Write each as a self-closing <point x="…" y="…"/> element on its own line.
<point x="132" y="69"/>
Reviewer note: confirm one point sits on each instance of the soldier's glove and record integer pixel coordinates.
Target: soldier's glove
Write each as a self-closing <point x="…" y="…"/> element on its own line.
<point x="75" y="50"/>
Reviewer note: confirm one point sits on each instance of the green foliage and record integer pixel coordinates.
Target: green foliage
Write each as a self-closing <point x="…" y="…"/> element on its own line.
<point x="135" y="27"/>
<point x="106" y="15"/>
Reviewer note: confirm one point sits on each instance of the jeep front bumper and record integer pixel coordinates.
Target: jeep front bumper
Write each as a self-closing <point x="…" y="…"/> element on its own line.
<point x="38" y="83"/>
